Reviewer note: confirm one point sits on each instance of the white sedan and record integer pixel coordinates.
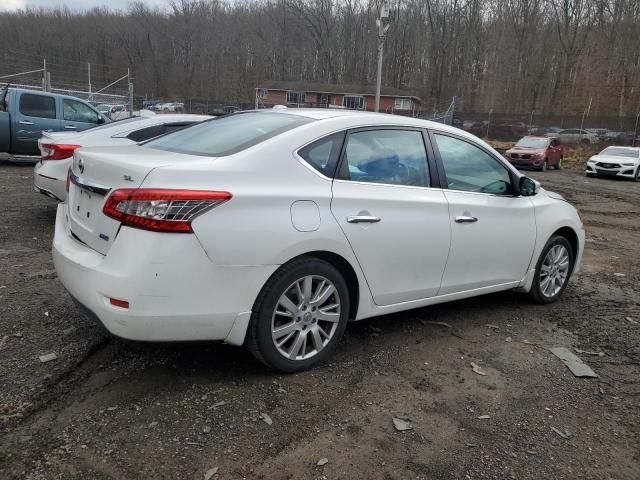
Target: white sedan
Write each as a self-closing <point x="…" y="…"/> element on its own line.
<point x="621" y="162"/>
<point x="273" y="229"/>
<point x="57" y="148"/>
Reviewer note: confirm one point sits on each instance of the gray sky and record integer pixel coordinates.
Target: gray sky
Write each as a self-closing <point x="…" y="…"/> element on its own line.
<point x="12" y="5"/>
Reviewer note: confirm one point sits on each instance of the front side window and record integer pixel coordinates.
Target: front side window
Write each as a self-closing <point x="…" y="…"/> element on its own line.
<point x="396" y="157"/>
<point x="323" y="154"/>
<point x="353" y="102"/>
<point x="41" y="106"/>
<point x="297" y="98"/>
<point x="74" y="111"/>
<point x="228" y="134"/>
<point x="470" y="169"/>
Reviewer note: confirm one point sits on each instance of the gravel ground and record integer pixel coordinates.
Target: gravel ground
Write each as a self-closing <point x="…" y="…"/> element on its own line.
<point x="105" y="408"/>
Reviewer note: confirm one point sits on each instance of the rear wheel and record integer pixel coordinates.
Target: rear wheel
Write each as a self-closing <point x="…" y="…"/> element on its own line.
<point x="586" y="141"/>
<point x="299" y="316"/>
<point x="553" y="270"/>
<point x="637" y="177"/>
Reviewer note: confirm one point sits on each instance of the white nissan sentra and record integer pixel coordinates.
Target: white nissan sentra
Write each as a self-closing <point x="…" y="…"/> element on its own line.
<point x="275" y="228"/>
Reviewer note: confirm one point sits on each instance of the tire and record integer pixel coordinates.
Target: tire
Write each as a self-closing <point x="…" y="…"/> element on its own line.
<point x="585" y="141"/>
<point x="637" y="177"/>
<point x="544" y="166"/>
<point x="269" y="314"/>
<point x="559" y="164"/>
<point x="542" y="292"/>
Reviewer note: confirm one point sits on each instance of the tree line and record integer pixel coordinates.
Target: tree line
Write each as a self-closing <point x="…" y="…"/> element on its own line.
<point x="501" y="55"/>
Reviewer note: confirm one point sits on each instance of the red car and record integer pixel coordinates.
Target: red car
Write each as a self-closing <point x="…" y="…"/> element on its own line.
<point x="536" y="152"/>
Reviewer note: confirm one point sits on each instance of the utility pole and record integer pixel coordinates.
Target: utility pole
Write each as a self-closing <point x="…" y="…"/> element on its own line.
<point x="489" y="123"/>
<point x="89" y="75"/>
<point x="130" y="86"/>
<point x="383" y="25"/>
<point x="44" y="75"/>
<point x="586" y="113"/>
<point x="635" y="130"/>
<point x="531" y="118"/>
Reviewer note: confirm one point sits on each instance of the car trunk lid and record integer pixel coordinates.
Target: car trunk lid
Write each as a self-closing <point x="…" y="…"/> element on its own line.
<point x="96" y="172"/>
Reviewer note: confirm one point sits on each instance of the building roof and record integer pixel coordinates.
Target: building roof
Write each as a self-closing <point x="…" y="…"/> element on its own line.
<point x="335" y="89"/>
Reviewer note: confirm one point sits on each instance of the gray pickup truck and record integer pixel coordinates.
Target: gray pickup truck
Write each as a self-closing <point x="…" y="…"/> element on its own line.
<point x="25" y="114"/>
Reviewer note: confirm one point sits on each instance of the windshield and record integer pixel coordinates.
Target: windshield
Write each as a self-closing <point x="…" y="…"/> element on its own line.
<point x="229" y="134"/>
<point x="620" y="152"/>
<point x="531" y="142"/>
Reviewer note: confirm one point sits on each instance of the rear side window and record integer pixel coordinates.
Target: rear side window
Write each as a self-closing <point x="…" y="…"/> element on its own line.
<point x="323" y="154"/>
<point x="229" y="134"/>
<point x="41" y="106"/>
<point x="394" y="157"/>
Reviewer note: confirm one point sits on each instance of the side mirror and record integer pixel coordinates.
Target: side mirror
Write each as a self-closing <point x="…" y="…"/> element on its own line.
<point x="100" y="119"/>
<point x="528" y="187"/>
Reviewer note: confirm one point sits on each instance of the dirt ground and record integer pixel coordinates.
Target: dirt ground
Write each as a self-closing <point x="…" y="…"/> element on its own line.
<point x="107" y="409"/>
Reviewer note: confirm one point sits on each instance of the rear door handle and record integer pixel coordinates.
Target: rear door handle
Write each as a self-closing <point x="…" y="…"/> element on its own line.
<point x="25" y="122"/>
<point x="69" y="127"/>
<point x="466" y="219"/>
<point x="363" y="219"/>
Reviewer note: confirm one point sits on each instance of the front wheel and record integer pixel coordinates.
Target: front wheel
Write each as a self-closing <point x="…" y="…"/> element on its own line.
<point x="553" y="270"/>
<point x="299" y="315"/>
<point x="637" y="177"/>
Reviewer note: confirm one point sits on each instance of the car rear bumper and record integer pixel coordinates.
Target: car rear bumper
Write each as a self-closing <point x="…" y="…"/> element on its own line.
<point x="50" y="178"/>
<point x="175" y="292"/>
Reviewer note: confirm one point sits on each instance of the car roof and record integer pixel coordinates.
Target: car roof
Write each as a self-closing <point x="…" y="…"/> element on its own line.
<point x="363" y="117"/>
<point x="633" y="149"/>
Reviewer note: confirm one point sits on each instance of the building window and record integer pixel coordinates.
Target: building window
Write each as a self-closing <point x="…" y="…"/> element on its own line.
<point x="353" y="102"/>
<point x="262" y="93"/>
<point x="297" y="98"/>
<point x="324" y="99"/>
<point x="402" y="104"/>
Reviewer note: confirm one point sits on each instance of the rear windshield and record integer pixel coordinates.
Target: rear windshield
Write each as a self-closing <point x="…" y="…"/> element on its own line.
<point x="229" y="134"/>
<point x="620" y="152"/>
<point x="531" y="142"/>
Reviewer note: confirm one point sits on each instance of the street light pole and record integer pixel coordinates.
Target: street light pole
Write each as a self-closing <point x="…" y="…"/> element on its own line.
<point x="383" y="26"/>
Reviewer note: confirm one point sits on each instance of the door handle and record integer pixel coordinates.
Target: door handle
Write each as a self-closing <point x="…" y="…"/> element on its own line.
<point x="466" y="219"/>
<point x="25" y="122"/>
<point x="69" y="127"/>
<point x="363" y="219"/>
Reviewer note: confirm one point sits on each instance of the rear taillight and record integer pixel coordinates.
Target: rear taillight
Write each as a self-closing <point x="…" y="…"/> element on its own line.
<point x="54" y="151"/>
<point x="161" y="210"/>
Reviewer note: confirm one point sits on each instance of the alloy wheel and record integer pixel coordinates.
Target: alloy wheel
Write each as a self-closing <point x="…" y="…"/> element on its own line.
<point x="554" y="271"/>
<point x="305" y="317"/>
